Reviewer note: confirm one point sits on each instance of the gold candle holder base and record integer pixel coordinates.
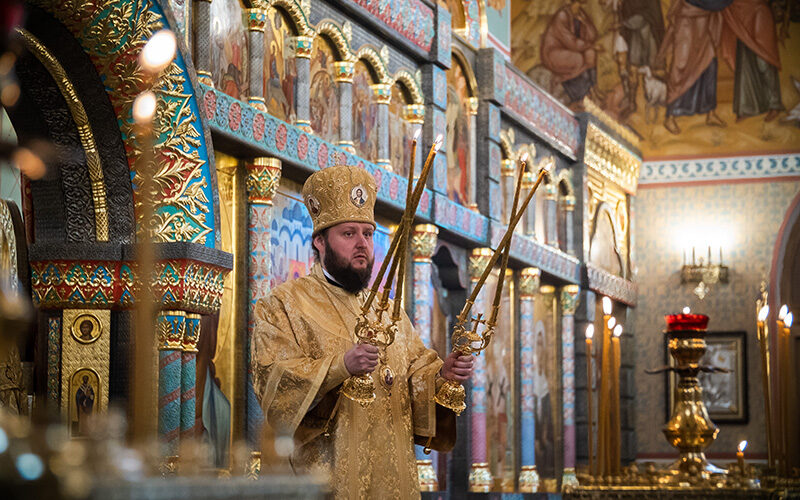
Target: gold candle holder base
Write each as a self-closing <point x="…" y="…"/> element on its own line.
<point x="569" y="479"/>
<point x="453" y="396"/>
<point x="253" y="468"/>
<point x="360" y="388"/>
<point x="529" y="479"/>
<point x="480" y="478"/>
<point x="427" y="476"/>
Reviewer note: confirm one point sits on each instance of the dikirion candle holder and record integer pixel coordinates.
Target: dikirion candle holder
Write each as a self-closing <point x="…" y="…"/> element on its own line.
<point x="689" y="429"/>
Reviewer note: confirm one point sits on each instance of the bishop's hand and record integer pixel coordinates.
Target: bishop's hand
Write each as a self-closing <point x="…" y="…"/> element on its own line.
<point x="361" y="359"/>
<point x="456" y="367"/>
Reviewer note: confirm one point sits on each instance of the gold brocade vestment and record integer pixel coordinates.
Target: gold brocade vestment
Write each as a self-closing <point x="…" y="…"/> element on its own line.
<point x="303" y="328"/>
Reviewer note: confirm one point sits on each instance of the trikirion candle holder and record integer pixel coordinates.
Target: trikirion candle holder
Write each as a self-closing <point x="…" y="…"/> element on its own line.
<point x="689" y="429"/>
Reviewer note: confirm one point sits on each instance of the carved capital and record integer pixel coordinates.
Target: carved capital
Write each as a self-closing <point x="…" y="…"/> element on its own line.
<point x="529" y="279"/>
<point x="381" y="93"/>
<point x="473" y="105"/>
<point x="507" y="168"/>
<point x="569" y="299"/>
<point x="528" y="179"/>
<point x="301" y="46"/>
<point x="550" y="191"/>
<point x="263" y="176"/>
<point x="170" y="326"/>
<point x="343" y="71"/>
<point x="569" y="203"/>
<point x="423" y="242"/>
<point x="478" y="260"/>
<point x="415" y="113"/>
<point x="255" y="19"/>
<point x="191" y="334"/>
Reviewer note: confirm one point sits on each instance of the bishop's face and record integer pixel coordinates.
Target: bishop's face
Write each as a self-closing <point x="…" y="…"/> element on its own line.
<point x="346" y="251"/>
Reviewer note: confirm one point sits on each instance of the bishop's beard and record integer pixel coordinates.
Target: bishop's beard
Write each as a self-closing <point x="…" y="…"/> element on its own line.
<point x="340" y="268"/>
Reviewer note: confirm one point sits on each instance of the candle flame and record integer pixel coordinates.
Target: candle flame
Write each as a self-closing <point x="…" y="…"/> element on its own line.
<point x="742" y="446"/>
<point x="158" y="52"/>
<point x="782" y="313"/>
<point x="524" y="158"/>
<point x="686" y="310"/>
<point x="618" y="330"/>
<point x="144" y="107"/>
<point x="611" y="322"/>
<point x="606" y="306"/>
<point x="763" y="313"/>
<point x="417" y="134"/>
<point x="788" y="320"/>
<point x="437" y="143"/>
<point x="590" y="331"/>
<point x="548" y="164"/>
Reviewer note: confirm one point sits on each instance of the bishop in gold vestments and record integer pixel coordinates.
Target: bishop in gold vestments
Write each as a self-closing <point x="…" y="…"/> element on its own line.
<point x="303" y="331"/>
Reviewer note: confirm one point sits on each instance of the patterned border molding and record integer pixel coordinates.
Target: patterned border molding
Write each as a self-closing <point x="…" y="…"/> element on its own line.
<point x="611" y="159"/>
<point x="273" y="137"/>
<point x="460" y="219"/>
<point x="72" y="284"/>
<point x="717" y="169"/>
<point x="539" y="111"/>
<point x="623" y="131"/>
<point x="605" y="283"/>
<point x="547" y="258"/>
<point x="112" y="34"/>
<point x="411" y="19"/>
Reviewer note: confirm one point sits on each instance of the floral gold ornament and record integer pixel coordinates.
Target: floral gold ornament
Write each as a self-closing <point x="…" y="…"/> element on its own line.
<point x="263" y="177"/>
<point x="466" y="339"/>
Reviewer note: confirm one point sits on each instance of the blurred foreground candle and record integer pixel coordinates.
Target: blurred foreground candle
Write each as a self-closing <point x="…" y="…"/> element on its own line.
<point x="615" y="417"/>
<point x="590" y="396"/>
<point x="763" y="340"/>
<point x="603" y="420"/>
<point x="785" y="319"/>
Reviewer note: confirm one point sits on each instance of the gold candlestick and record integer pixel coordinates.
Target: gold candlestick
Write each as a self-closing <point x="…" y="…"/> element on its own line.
<point x="763" y="340"/>
<point x="589" y="397"/>
<point x="784" y="365"/>
<point x="603" y="457"/>
<point x="740" y="456"/>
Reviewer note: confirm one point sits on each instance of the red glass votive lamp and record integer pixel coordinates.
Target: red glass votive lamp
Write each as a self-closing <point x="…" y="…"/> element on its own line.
<point x="684" y="322"/>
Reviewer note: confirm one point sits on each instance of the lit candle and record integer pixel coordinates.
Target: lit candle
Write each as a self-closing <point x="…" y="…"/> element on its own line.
<point x="720" y="255"/>
<point x="603" y="422"/>
<point x="763" y="335"/>
<point x="590" y="396"/>
<point x="709" y="255"/>
<point x="615" y="419"/>
<point x="693" y="262"/>
<point x="686" y="310"/>
<point x="684" y="256"/>
<point x="740" y="456"/>
<point x="785" y="319"/>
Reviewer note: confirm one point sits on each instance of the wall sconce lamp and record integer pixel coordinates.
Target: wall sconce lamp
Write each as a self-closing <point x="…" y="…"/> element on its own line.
<point x="703" y="272"/>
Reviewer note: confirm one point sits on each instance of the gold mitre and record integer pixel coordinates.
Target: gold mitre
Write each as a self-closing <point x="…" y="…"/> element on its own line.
<point x="337" y="194"/>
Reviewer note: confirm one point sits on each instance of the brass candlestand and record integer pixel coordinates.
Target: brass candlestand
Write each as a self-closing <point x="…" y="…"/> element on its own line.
<point x="689" y="430"/>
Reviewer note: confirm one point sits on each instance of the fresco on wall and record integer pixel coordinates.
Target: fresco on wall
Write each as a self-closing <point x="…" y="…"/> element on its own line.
<point x="501" y="401"/>
<point x="498" y="22"/>
<point x="689" y="80"/>
<point x="180" y="9"/>
<point x="228" y="48"/>
<point x="365" y="114"/>
<point x="280" y="73"/>
<point x="457" y="134"/>
<point x="323" y="98"/>
<point x="401" y="132"/>
<point x="546" y="381"/>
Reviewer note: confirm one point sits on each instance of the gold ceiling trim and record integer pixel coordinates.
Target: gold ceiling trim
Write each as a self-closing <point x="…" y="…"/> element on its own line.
<point x="84" y="129"/>
<point x="611" y="123"/>
<point x="611" y="159"/>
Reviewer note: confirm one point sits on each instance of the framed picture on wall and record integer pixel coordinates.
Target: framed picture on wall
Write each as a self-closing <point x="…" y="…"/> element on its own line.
<point x="725" y="394"/>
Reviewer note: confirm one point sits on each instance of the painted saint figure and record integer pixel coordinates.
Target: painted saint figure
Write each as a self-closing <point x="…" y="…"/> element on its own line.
<point x="569" y="51"/>
<point x="689" y="46"/>
<point x="84" y="402"/>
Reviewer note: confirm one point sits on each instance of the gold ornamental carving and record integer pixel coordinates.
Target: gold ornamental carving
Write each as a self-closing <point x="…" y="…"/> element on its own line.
<point x="508" y="168"/>
<point x="191" y="333"/>
<point x="611" y="123"/>
<point x="344" y="71"/>
<point x="301" y="46"/>
<point x="529" y="280"/>
<point x="611" y="159"/>
<point x="381" y="93"/>
<point x="371" y="56"/>
<point x="478" y="260"/>
<point x="569" y="299"/>
<point x="255" y="19"/>
<point x="296" y="12"/>
<point x="423" y="242"/>
<point x="85" y="354"/>
<point x="411" y="83"/>
<point x="473" y="106"/>
<point x="263" y="178"/>
<point x="81" y="119"/>
<point x="333" y="32"/>
<point x="170" y="327"/>
<point x="414" y="113"/>
<point x="569" y="203"/>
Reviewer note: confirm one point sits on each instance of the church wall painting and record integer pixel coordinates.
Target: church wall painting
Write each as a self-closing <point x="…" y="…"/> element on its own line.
<point x="323" y="98"/>
<point x="648" y="57"/>
<point x="401" y="132"/>
<point x="546" y="382"/>
<point x="365" y="113"/>
<point x="280" y="73"/>
<point x="458" y="147"/>
<point x="498" y="23"/>
<point x="501" y="419"/>
<point x="229" y="48"/>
